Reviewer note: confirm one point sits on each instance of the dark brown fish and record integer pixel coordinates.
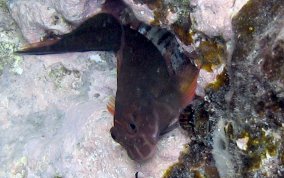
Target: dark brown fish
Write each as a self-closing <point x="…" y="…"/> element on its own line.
<point x="151" y="91"/>
<point x="148" y="98"/>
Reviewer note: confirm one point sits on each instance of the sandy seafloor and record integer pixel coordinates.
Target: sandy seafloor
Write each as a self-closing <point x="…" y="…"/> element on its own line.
<point x="53" y="117"/>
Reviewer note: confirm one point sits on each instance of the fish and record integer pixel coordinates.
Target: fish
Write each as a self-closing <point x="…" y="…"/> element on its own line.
<point x="150" y="93"/>
<point x="155" y="79"/>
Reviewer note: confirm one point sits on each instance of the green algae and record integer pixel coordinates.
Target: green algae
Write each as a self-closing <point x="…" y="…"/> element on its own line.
<point x="221" y="80"/>
<point x="260" y="145"/>
<point x="183" y="33"/>
<point x="161" y="9"/>
<point x="59" y="72"/>
<point x="176" y="170"/>
<point x="3" y="4"/>
<point x="179" y="170"/>
<point x="58" y="176"/>
<point x="213" y="53"/>
<point x="9" y="41"/>
<point x="7" y="58"/>
<point x="195" y="161"/>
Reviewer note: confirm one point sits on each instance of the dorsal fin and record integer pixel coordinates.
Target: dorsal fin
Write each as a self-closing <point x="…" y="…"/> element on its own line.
<point x="101" y="32"/>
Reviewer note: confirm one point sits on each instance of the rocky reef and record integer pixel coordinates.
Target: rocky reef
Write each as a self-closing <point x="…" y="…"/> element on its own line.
<point x="53" y="108"/>
<point x="242" y="121"/>
<point x="257" y="97"/>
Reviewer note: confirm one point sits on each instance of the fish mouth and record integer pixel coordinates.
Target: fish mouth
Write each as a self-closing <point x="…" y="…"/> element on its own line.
<point x="141" y="153"/>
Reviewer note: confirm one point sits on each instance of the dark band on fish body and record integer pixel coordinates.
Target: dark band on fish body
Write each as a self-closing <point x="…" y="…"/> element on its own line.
<point x="166" y="42"/>
<point x="164" y="37"/>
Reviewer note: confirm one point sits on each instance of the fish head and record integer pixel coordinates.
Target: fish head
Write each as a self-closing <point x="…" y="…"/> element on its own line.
<point x="137" y="130"/>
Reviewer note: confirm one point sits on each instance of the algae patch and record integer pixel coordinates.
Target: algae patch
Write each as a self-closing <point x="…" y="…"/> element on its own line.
<point x="64" y="78"/>
<point x="9" y="40"/>
<point x="7" y="58"/>
<point x="162" y="9"/>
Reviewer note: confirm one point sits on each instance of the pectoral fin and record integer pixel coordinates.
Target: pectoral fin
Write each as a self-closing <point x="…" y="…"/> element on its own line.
<point x="111" y="105"/>
<point x="99" y="33"/>
<point x="171" y="127"/>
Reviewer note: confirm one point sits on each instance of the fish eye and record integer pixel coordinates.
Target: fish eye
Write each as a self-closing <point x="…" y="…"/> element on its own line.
<point x="132" y="128"/>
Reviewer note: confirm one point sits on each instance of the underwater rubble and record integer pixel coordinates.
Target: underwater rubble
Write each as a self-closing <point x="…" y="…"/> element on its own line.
<point x="233" y="128"/>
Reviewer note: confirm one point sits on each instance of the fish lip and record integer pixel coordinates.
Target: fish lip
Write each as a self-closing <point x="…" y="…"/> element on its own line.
<point x="141" y="158"/>
<point x="137" y="152"/>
